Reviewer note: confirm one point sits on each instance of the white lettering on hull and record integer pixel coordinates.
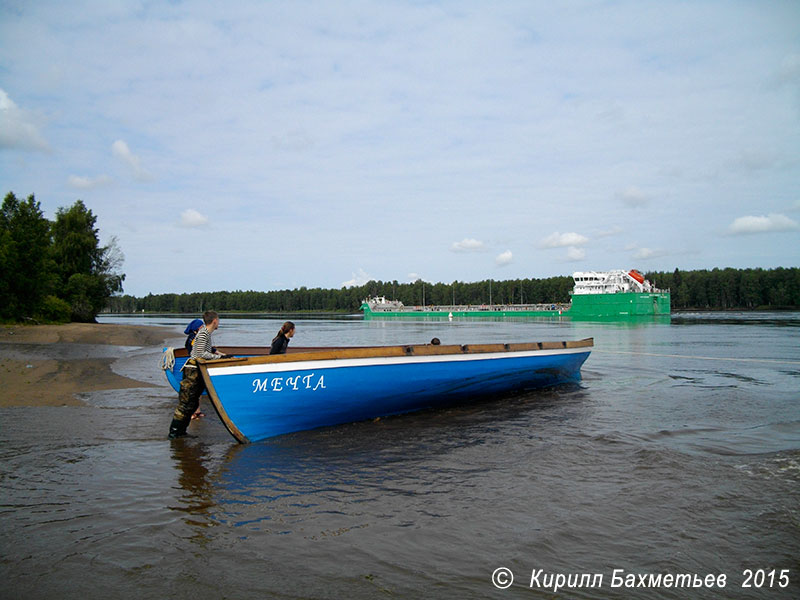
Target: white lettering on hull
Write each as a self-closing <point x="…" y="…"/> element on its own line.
<point x="311" y="382"/>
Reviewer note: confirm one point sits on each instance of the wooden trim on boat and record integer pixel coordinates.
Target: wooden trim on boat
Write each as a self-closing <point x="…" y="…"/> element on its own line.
<point x="246" y="350"/>
<point x="305" y="354"/>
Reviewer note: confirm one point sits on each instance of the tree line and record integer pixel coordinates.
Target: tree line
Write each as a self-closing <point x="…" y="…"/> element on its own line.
<point x="726" y="289"/>
<point x="720" y="289"/>
<point x="54" y="271"/>
<point x="348" y="300"/>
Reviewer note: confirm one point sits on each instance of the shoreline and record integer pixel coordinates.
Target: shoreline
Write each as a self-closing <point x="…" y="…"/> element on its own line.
<point x="35" y="372"/>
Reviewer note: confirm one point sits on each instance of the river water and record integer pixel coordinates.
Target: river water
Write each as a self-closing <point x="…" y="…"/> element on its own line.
<point x="677" y="454"/>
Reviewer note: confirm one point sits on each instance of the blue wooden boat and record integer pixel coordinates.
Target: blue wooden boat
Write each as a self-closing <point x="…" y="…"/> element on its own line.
<point x="263" y="396"/>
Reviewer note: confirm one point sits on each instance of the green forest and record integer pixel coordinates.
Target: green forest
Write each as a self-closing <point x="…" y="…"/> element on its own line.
<point x="717" y="289"/>
<point x="54" y="271"/>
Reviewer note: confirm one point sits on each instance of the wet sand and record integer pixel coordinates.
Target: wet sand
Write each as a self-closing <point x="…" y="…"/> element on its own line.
<point x="48" y="365"/>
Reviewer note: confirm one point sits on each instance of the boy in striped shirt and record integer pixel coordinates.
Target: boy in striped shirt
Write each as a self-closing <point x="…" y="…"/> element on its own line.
<point x="192" y="385"/>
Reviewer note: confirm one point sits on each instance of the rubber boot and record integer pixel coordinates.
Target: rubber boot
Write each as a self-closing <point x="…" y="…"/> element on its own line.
<point x="178" y="428"/>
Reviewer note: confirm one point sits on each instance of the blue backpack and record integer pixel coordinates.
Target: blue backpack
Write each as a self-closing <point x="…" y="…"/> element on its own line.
<point x="191" y="331"/>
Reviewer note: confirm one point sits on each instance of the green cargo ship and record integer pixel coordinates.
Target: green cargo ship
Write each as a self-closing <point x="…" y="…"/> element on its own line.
<point x="596" y="295"/>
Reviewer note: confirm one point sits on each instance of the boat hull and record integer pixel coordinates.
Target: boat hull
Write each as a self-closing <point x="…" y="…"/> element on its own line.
<point x="261" y="398"/>
<point x="174" y="371"/>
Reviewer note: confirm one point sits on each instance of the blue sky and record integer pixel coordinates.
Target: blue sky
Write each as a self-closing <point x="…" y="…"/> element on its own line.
<point x="269" y="145"/>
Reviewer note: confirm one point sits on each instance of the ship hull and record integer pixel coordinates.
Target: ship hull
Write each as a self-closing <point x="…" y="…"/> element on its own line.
<point x="495" y="312"/>
<point x="584" y="306"/>
<point x="622" y="304"/>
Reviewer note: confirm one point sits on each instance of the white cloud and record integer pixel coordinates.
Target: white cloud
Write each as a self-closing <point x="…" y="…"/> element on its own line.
<point x="771" y="223"/>
<point x="191" y="218"/>
<point x="468" y="245"/>
<point x="87" y="183"/>
<point x="634" y="197"/>
<point x="562" y="240"/>
<point x="645" y="253"/>
<point x="615" y="230"/>
<point x="358" y="279"/>
<point x="17" y="127"/>
<point x="575" y="254"/>
<point x="121" y="150"/>
<point x="504" y="258"/>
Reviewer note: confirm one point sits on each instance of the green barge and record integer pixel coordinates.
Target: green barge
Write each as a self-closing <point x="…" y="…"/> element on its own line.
<point x="596" y="295"/>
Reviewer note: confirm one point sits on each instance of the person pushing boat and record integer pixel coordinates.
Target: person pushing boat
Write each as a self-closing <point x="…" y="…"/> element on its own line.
<point x="192" y="385"/>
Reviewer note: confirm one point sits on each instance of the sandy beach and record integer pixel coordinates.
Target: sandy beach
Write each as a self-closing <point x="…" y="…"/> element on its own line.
<point x="47" y="365"/>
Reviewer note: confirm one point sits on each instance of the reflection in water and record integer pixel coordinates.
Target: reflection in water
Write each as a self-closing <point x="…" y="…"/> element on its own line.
<point x="285" y="484"/>
<point x="195" y="479"/>
<point x="760" y="318"/>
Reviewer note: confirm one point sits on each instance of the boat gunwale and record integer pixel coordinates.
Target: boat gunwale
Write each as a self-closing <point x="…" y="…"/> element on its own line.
<point x="324" y="354"/>
<point x="249" y="350"/>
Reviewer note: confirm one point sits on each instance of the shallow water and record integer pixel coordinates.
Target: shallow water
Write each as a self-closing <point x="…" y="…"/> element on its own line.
<point x="679" y="452"/>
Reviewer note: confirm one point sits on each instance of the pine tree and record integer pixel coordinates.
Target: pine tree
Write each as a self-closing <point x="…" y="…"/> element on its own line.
<point x="25" y="269"/>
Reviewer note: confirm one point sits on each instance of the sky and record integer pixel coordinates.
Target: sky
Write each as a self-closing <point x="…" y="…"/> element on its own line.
<point x="258" y="145"/>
